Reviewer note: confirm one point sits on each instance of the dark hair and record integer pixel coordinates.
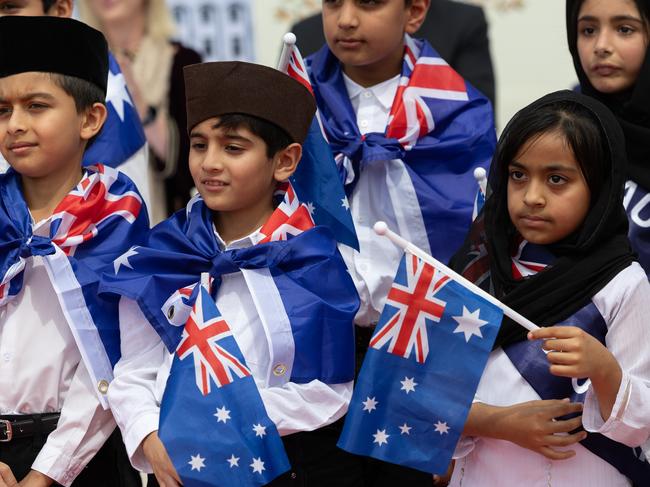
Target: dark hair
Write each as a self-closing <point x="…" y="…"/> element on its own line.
<point x="273" y="136"/>
<point x="47" y="5"/>
<point x="575" y="123"/>
<point x="84" y="93"/>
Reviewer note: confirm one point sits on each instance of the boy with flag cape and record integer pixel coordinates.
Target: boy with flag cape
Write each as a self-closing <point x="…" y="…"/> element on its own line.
<point x="60" y="225"/>
<point x="280" y="286"/>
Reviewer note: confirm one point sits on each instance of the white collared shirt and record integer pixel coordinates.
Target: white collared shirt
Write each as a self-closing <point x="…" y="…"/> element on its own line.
<point x="141" y="374"/>
<point x="623" y="304"/>
<point x="41" y="371"/>
<point x="380" y="185"/>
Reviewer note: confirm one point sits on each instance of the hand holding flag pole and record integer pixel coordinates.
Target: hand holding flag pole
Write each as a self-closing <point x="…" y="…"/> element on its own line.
<point x="382" y="229"/>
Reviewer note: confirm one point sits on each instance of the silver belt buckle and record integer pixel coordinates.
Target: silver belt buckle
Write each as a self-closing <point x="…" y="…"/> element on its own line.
<point x="9" y="432"/>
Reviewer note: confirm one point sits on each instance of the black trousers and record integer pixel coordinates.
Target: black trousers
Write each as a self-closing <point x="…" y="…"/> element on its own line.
<point x="109" y="468"/>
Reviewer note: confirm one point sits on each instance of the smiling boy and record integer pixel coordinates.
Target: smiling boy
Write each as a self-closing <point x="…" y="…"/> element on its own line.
<point x="59" y="226"/>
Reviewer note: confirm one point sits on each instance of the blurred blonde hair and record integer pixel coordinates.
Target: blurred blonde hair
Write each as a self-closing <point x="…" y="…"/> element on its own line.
<point x="159" y="24"/>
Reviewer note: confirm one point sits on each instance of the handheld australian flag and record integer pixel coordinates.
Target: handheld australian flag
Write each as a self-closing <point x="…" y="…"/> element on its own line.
<point x="421" y="371"/>
<point x="316" y="180"/>
<point x="230" y="440"/>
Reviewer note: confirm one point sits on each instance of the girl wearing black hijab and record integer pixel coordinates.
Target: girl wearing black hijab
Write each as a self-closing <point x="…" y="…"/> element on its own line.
<point x="552" y="244"/>
<point x="608" y="40"/>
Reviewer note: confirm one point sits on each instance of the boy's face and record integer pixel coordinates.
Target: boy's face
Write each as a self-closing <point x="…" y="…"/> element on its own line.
<point x="40" y="129"/>
<point x="369" y="34"/>
<point x="231" y="170"/>
<point x="34" y="8"/>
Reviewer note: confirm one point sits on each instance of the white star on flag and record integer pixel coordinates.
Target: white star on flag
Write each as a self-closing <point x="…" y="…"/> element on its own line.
<point x="222" y="415"/>
<point x="123" y="260"/>
<point x="259" y="430"/>
<point x="469" y="324"/>
<point x="345" y="203"/>
<point x="257" y="465"/>
<point x="441" y="428"/>
<point x="116" y="93"/>
<point x="233" y="461"/>
<point x="408" y="385"/>
<point x="310" y="208"/>
<point x="381" y="437"/>
<point x="405" y="429"/>
<point x="369" y="404"/>
<point x="197" y="462"/>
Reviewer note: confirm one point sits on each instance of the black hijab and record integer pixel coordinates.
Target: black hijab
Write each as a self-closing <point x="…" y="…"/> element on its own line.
<point x="632" y="108"/>
<point x="585" y="261"/>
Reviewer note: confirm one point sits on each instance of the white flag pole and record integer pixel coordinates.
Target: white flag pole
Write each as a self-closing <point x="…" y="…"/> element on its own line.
<point x="382" y="229"/>
<point x="288" y="40"/>
<point x="481" y="178"/>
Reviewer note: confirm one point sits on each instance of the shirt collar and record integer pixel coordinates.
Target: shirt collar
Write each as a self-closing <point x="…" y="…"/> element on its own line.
<point x="241" y="243"/>
<point x="384" y="92"/>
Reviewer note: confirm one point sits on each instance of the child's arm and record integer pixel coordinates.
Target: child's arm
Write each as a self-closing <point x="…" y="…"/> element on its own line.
<point x="576" y="354"/>
<point x="531" y="425"/>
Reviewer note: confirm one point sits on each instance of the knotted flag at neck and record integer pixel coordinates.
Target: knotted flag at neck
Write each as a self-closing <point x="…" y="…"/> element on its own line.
<point x="439" y="126"/>
<point x="92" y="225"/>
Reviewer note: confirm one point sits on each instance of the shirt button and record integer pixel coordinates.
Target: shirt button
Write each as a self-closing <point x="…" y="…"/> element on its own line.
<point x="367" y="94"/>
<point x="102" y="386"/>
<point x="7" y="356"/>
<point x="279" y="370"/>
<point x="364" y="123"/>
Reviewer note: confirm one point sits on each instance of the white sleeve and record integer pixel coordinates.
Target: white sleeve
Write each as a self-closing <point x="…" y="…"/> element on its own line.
<point x="305" y="407"/>
<point x="625" y="305"/>
<point x="82" y="429"/>
<point x="134" y="394"/>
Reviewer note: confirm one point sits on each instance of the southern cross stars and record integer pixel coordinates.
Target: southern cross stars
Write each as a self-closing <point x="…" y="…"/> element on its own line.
<point x="369" y="404"/>
<point x="233" y="461"/>
<point x="197" y="462"/>
<point x="257" y="465"/>
<point x="441" y="428"/>
<point x="469" y="324"/>
<point x="259" y="430"/>
<point x="408" y="385"/>
<point x="405" y="429"/>
<point x="222" y="415"/>
<point x="381" y="437"/>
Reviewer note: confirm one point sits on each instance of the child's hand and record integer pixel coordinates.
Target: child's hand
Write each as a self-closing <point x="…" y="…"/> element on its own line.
<point x="7" y="478"/>
<point x="35" y="479"/>
<point x="532" y="425"/>
<point x="575" y="353"/>
<point x="162" y="465"/>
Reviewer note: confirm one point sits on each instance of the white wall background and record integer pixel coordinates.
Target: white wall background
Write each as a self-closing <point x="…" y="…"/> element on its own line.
<point x="528" y="46"/>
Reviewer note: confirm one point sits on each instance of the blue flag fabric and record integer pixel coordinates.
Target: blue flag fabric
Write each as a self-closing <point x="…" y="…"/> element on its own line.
<point x="439" y="125"/>
<point x="122" y="134"/>
<point x="317" y="183"/>
<point x="212" y="419"/>
<point x="409" y="406"/>
<point x="637" y="207"/>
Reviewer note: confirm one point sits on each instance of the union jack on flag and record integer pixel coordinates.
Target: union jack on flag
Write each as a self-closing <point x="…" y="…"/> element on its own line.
<point x="212" y="362"/>
<point x="291" y="217"/>
<point x="414" y="299"/>
<point x="432" y="78"/>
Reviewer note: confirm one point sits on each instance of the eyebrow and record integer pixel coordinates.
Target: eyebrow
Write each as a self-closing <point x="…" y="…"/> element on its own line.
<point x="30" y="96"/>
<point x="616" y="18"/>
<point x="550" y="167"/>
<point x="228" y="135"/>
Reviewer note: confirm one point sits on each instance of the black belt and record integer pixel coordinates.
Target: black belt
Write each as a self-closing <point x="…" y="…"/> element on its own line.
<point x="28" y="425"/>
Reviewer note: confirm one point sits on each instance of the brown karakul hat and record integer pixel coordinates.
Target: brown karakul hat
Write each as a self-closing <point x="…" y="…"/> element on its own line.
<point x="214" y="89"/>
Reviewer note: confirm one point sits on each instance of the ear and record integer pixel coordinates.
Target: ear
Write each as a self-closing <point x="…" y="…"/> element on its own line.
<point x="286" y="162"/>
<point x="60" y="8"/>
<point x="93" y="121"/>
<point x="417" y="12"/>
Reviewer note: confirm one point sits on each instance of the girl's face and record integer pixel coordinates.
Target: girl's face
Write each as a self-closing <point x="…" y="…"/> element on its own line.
<point x="612" y="42"/>
<point x="548" y="196"/>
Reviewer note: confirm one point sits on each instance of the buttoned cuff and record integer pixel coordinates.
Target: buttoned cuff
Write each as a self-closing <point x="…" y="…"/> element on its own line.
<point x="57" y="465"/>
<point x="591" y="417"/>
<point x="138" y="430"/>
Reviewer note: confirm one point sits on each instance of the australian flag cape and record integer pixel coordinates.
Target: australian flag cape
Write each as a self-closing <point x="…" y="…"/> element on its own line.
<point x="441" y="127"/>
<point x="308" y="305"/>
<point x="96" y="222"/>
<point x="531" y="362"/>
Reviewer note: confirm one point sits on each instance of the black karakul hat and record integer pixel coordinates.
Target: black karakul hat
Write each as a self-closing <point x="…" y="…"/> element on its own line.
<point x="214" y="89"/>
<point x="53" y="45"/>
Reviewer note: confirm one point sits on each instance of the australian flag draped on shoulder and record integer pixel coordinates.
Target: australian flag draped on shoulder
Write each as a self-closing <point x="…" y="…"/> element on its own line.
<point x="304" y="296"/>
<point x="316" y="180"/>
<point x="422" y="368"/>
<point x="440" y="127"/>
<point x="96" y="222"/>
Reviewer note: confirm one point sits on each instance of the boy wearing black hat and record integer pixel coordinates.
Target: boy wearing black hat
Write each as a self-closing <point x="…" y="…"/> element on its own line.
<point x="59" y="226"/>
<point x="281" y="284"/>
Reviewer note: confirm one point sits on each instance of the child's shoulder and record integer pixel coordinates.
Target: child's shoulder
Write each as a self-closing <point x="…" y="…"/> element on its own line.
<point x="627" y="289"/>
